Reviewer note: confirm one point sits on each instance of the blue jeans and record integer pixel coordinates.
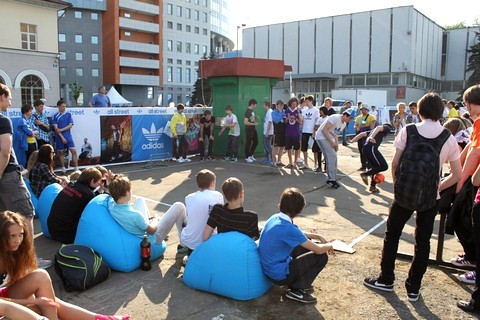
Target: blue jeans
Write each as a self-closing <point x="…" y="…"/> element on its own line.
<point x="267" y="146"/>
<point x="231" y="146"/>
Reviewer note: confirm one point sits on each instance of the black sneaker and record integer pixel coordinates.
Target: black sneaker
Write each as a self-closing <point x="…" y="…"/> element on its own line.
<point x="375" y="283"/>
<point x="364" y="178"/>
<point x="332" y="184"/>
<point x="300" y="295"/>
<point x="413" y="296"/>
<point x="468" y="306"/>
<point x="337" y="185"/>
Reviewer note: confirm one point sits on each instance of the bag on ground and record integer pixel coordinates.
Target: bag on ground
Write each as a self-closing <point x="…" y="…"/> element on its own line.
<point x="80" y="267"/>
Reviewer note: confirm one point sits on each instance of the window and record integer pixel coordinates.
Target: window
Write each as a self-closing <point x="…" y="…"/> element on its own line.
<point x="188" y="48"/>
<point x="149" y="92"/>
<point x="63" y="55"/>
<point x="205" y="32"/>
<point x="170" y="25"/>
<point x="188" y="13"/>
<point x="62" y="37"/>
<point x="179" y="61"/>
<point x="205" y="17"/>
<point x="169" y="45"/>
<point x="94" y="16"/>
<point x="169" y="60"/>
<point x="170" y="74"/>
<point x="31" y="89"/>
<point x="179" y="11"/>
<point x="169" y="97"/>
<point x="95" y="73"/>
<point x="169" y="9"/>
<point x="78" y="15"/>
<point x="94" y="56"/>
<point x="28" y="34"/>
<point x="78" y="56"/>
<point x="196" y="2"/>
<point x="128" y="33"/>
<point x="78" y="38"/>
<point x="79" y="72"/>
<point x="205" y="49"/>
<point x="196" y="15"/>
<point x="188" y="62"/>
<point x="204" y="3"/>
<point x="188" y="28"/>
<point x="127" y="15"/>
<point x="187" y="75"/>
<point x="63" y="72"/>
<point x="197" y="30"/>
<point x="60" y="13"/>
<point x="94" y="39"/>
<point x="179" y="26"/>
<point x="179" y="46"/>
<point x="196" y="49"/>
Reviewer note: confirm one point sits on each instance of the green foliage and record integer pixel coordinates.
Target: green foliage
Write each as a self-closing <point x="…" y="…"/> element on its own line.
<point x="76" y="90"/>
<point x="202" y="90"/>
<point x="459" y="25"/>
<point x="473" y="64"/>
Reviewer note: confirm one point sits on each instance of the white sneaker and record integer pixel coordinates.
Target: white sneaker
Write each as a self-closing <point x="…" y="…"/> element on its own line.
<point x="251" y="157"/>
<point x="44" y="263"/>
<point x="180" y="160"/>
<point x="249" y="160"/>
<point x="299" y="160"/>
<point x="187" y="160"/>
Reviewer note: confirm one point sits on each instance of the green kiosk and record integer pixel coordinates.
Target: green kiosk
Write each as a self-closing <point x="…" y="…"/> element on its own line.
<point x="234" y="82"/>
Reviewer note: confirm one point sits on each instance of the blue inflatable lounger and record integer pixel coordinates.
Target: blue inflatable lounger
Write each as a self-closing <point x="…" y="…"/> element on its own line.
<point x="119" y="248"/>
<point x="227" y="264"/>
<point x="47" y="197"/>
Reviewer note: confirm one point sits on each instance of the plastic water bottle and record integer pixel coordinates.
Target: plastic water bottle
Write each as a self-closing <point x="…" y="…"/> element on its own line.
<point x="145" y="253"/>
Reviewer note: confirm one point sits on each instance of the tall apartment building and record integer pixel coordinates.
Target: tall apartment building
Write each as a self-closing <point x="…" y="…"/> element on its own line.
<point x="29" y="49"/>
<point x="80" y="48"/>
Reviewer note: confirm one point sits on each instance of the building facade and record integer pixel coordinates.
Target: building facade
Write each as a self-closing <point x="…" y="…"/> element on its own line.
<point x="399" y="50"/>
<point x="29" y="62"/>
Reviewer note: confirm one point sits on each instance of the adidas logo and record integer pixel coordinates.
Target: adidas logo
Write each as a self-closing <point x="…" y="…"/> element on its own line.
<point x="96" y="111"/>
<point x="153" y="134"/>
<point x="139" y="110"/>
<point x="308" y="114"/>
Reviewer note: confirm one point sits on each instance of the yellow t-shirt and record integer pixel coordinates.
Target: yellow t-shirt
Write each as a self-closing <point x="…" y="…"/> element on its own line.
<point x="363" y="124"/>
<point x="452" y="113"/>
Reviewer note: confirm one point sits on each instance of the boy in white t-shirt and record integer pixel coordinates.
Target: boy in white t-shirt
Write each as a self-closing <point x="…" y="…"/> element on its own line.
<point x="231" y="122"/>
<point x="268" y="135"/>
<point x="199" y="204"/>
<point x="310" y="115"/>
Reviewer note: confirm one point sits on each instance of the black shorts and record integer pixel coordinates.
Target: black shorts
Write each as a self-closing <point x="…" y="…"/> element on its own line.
<point x="316" y="147"/>
<point x="292" y="142"/>
<point x="305" y="138"/>
<point x="279" y="140"/>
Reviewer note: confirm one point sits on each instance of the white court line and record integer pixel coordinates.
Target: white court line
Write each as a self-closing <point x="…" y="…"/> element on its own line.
<point x="154" y="201"/>
<point x="357" y="240"/>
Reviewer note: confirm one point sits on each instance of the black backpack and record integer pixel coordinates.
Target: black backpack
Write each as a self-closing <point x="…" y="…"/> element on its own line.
<point x="418" y="173"/>
<point x="80" y="267"/>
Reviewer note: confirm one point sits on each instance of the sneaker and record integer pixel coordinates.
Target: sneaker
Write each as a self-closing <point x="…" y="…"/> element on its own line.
<point x="299" y="160"/>
<point x="233" y="159"/>
<point x="376" y="284"/>
<point x="361" y="169"/>
<point x="345" y="144"/>
<point x="289" y="166"/>
<point x="44" y="263"/>
<point x="181" y="249"/>
<point x="364" y="178"/>
<point x="318" y="169"/>
<point x="374" y="190"/>
<point x="211" y="158"/>
<point x="273" y="164"/>
<point x="280" y="164"/>
<point x="184" y="261"/>
<point x="249" y="160"/>
<point x="265" y="161"/>
<point x="300" y="295"/>
<point x="468" y="277"/>
<point x="461" y="262"/>
<point x="303" y="167"/>
<point x="332" y="184"/>
<point x="468" y="306"/>
<point x="253" y="158"/>
<point x="180" y="160"/>
<point x="337" y="185"/>
<point x="187" y="160"/>
<point x="413" y="296"/>
<point x="203" y="159"/>
<point x="227" y="158"/>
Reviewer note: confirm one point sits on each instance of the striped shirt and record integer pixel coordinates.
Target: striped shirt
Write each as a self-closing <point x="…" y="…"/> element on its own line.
<point x="226" y="220"/>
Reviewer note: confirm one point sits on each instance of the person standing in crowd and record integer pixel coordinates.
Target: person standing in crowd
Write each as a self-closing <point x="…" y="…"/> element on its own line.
<point x="268" y="135"/>
<point x="62" y="124"/>
<point x="328" y="142"/>
<point x="231" y="123"/>
<point x="293" y="119"/>
<point x="14" y="194"/>
<point x="206" y="138"/>
<point x="348" y="105"/>
<point x="400" y="118"/>
<point x="278" y="119"/>
<point x="310" y="115"/>
<point x="100" y="100"/>
<point x="251" y="138"/>
<point x="42" y="123"/>
<point x="178" y="126"/>
<point x="328" y="102"/>
<point x="452" y="112"/>
<point x="413" y="117"/>
<point x="430" y="108"/>
<point x="364" y="122"/>
<point x="25" y="137"/>
<point x="317" y="151"/>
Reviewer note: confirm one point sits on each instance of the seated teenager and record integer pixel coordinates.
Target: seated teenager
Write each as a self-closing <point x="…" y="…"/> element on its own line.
<point x="41" y="175"/>
<point x="69" y="204"/>
<point x="287" y="255"/>
<point x="136" y="219"/>
<point x="232" y="216"/>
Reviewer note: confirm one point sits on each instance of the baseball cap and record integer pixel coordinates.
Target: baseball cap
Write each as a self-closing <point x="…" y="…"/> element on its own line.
<point x="349" y="111"/>
<point x="364" y="107"/>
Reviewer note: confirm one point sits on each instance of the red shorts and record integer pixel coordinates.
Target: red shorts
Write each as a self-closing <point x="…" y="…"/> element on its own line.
<point x="4" y="292"/>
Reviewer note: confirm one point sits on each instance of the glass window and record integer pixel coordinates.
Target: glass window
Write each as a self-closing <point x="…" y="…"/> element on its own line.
<point x="169" y="45"/>
<point x="169" y="97"/>
<point x="196" y="15"/>
<point x="188" y="48"/>
<point x="95" y="73"/>
<point x="169" y="74"/>
<point x="179" y="46"/>
<point x="169" y="9"/>
<point x="28" y="34"/>
<point x="128" y="33"/>
<point x="63" y="55"/>
<point x="78" y="56"/>
<point x="78" y="38"/>
<point x="204" y="3"/>
<point x="196" y="49"/>
<point x="127" y="15"/>
<point x="78" y="15"/>
<point x="63" y="72"/>
<point x="196" y="2"/>
<point x="179" y="26"/>
<point x="187" y="75"/>
<point x="94" y="39"/>
<point x="94" y="16"/>
<point x="188" y="62"/>
<point x="179" y="11"/>
<point x="372" y="79"/>
<point x="60" y="13"/>
<point x="62" y="37"/>
<point x="188" y="13"/>
<point x="170" y="25"/>
<point x="149" y="92"/>
<point x="94" y="56"/>
<point x="384" y="79"/>
<point x="179" y="74"/>
<point x="205" y="49"/>
<point x="79" y="72"/>
<point x="188" y="28"/>
<point x="205" y="17"/>
<point x="359" y="80"/>
<point x="197" y="30"/>
<point x="169" y="60"/>
<point x="348" y="80"/>
<point x="179" y="61"/>
<point x="205" y="32"/>
<point x="31" y="88"/>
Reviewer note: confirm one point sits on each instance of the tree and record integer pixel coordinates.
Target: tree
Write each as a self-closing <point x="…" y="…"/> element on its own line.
<point x="458" y="25"/>
<point x="473" y="64"/>
<point x="202" y="90"/>
<point x="76" y="90"/>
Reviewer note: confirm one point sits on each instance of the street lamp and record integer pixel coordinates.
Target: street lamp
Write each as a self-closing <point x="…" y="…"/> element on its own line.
<point x="238" y="28"/>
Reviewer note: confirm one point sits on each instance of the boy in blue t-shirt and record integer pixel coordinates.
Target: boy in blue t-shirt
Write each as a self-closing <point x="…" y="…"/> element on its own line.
<point x="62" y="124"/>
<point x="287" y="255"/>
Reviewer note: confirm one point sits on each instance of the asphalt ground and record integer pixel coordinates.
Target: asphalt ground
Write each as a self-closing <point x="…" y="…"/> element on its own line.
<point x="350" y="214"/>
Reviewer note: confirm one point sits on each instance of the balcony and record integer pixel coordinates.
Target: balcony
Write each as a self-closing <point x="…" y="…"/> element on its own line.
<point x="139" y="80"/>
<point x="139" y="47"/>
<point x="142" y="7"/>
<point x="139" y="63"/>
<point x="137" y="25"/>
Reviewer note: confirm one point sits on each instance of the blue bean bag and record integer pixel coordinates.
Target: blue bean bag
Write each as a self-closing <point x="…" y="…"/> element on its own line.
<point x="45" y="202"/>
<point x="228" y="265"/>
<point x="119" y="248"/>
<point x="32" y="195"/>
